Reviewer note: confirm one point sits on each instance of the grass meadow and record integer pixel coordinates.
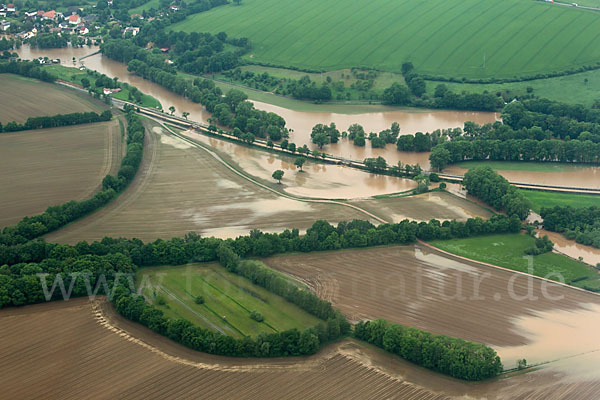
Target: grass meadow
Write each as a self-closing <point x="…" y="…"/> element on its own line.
<point x="541" y="199"/>
<point x="440" y="37"/>
<point x="508" y="251"/>
<point x="228" y="300"/>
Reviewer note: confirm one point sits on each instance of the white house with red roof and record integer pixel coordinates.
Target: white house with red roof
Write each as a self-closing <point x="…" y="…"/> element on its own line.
<point x="49" y="15"/>
<point x="74" y="19"/>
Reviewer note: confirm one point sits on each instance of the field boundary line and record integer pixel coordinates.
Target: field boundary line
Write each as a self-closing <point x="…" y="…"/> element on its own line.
<point x="437" y="249"/>
<point x="252" y="180"/>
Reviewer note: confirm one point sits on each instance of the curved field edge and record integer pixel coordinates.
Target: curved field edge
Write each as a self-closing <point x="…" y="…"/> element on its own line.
<point x="91" y="338"/>
<point x="441" y="38"/>
<point x="62" y="164"/>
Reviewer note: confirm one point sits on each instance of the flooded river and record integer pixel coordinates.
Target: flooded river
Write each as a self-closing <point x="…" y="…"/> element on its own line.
<point x="299" y="122"/>
<point x="302" y="122"/>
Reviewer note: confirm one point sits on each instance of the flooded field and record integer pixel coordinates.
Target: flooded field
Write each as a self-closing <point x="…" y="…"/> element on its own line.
<point x="316" y="179"/>
<point x="181" y="188"/>
<point x="571" y="248"/>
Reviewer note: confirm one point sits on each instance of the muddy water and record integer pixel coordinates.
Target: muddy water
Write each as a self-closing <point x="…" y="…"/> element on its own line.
<point x="571" y="248"/>
<point x="558" y="335"/>
<point x="317" y="180"/>
<point x="301" y="123"/>
<point x="565" y="175"/>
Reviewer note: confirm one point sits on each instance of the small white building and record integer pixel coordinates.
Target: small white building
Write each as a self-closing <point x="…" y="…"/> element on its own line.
<point x="5" y="25"/>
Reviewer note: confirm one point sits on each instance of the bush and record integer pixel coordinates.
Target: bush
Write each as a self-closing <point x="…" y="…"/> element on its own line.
<point x="258" y="317"/>
<point x="199" y="300"/>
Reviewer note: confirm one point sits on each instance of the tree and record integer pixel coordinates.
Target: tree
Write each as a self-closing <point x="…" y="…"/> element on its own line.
<point x="278" y="175"/>
<point x="439" y="158"/>
<point x="172" y="110"/>
<point x="299" y="162"/>
<point x="320" y="139"/>
<point x="185" y="114"/>
<point x="396" y="94"/>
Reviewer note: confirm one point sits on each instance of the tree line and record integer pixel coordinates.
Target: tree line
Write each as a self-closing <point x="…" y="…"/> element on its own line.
<point x="451" y="356"/>
<point x="29" y="69"/>
<point x="54" y="121"/>
<point x="57" y="216"/>
<point x="493" y="189"/>
<point x="581" y="224"/>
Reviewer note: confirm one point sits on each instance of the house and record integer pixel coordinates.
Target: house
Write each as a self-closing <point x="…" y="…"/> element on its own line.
<point x="133" y="16"/>
<point x="108" y="91"/>
<point x="164" y="49"/>
<point x="110" y="2"/>
<point x="131" y="29"/>
<point x="5" y="25"/>
<point x="49" y="15"/>
<point x="169" y="61"/>
<point x="11" y="8"/>
<point x="30" y="14"/>
<point x="74" y="19"/>
<point x="173" y="7"/>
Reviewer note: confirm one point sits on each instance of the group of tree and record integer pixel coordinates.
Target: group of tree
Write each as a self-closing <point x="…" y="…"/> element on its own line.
<point x="451" y="356"/>
<point x="493" y="189"/>
<point x="57" y="216"/>
<point x="54" y="121"/>
<point x="415" y="83"/>
<point x="576" y="223"/>
<point x="29" y="69"/>
<point x="420" y="141"/>
<point x="322" y="134"/>
<point x="49" y="40"/>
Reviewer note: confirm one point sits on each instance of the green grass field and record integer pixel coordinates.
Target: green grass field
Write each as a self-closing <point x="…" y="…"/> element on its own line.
<point x="145" y="7"/>
<point x="581" y="88"/>
<point x="519" y="166"/>
<point x="541" y="199"/>
<point x="74" y="75"/>
<point x="508" y="250"/>
<point x="440" y="37"/>
<point x="228" y="300"/>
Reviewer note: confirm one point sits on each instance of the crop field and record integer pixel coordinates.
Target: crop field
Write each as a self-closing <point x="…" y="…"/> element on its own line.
<point x="228" y="300"/>
<point x="508" y="251"/>
<point x="181" y="188"/>
<point x="470" y="38"/>
<point x="423" y="207"/>
<point x="73" y="351"/>
<point x="47" y="167"/>
<point x="541" y="199"/>
<point x="416" y="286"/>
<point x="33" y="98"/>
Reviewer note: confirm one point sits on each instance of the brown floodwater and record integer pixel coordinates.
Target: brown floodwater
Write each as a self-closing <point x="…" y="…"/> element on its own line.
<point x="566" y="175"/>
<point x="317" y="180"/>
<point x="301" y="123"/>
<point x="571" y="248"/>
<point x="559" y="335"/>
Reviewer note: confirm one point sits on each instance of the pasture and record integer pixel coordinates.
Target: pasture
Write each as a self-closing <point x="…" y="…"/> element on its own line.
<point x="47" y="167"/>
<point x="228" y="300"/>
<point x="25" y="97"/>
<point x="541" y="199"/>
<point x="508" y="251"/>
<point x="470" y="38"/>
<point x="182" y="188"/>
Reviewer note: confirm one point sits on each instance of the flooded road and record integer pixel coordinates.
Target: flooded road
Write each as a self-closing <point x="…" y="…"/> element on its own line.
<point x="566" y="175"/>
<point x="317" y="180"/>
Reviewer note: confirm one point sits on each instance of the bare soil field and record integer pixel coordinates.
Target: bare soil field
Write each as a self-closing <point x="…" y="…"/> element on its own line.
<point x="25" y="97"/>
<point x="46" y="167"/>
<point x="67" y="351"/>
<point x="84" y="350"/>
<point x="412" y="285"/>
<point x="423" y="207"/>
<point x="181" y="188"/>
